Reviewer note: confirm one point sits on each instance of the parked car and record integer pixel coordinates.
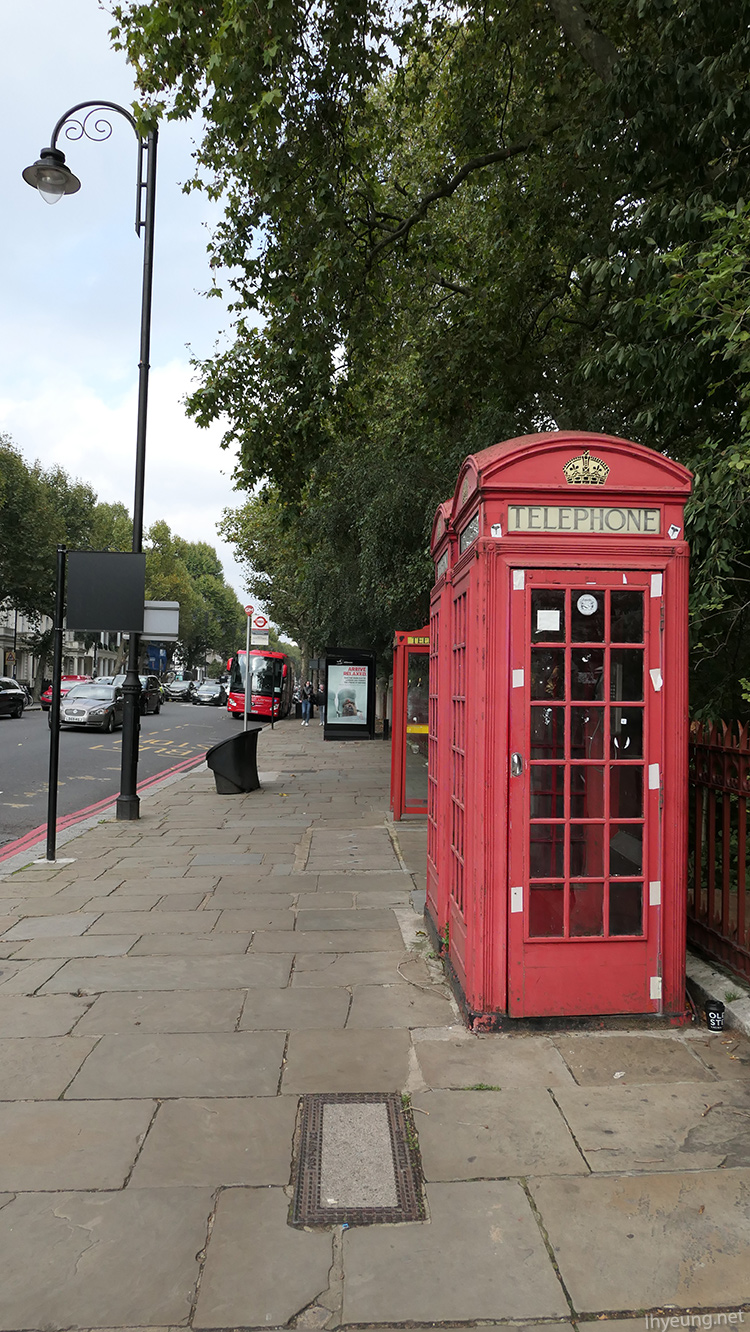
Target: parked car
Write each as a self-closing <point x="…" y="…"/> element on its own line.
<point x="66" y="684"/>
<point x="13" y="697"/>
<point x="210" y="694"/>
<point x="180" y="691"/>
<point x="92" y="705"/>
<point x="150" y="692"/>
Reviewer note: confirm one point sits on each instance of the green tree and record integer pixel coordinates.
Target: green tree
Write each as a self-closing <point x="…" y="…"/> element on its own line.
<point x="211" y="617"/>
<point x="112" y="527"/>
<point x="27" y="523"/>
<point x="445" y="227"/>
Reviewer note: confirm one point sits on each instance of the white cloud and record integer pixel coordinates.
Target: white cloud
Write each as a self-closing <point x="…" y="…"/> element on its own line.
<point x="70" y="277"/>
<point x="188" y="474"/>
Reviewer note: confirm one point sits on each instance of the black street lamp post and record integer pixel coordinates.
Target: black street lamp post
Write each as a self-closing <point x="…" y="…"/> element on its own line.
<point x="53" y="179"/>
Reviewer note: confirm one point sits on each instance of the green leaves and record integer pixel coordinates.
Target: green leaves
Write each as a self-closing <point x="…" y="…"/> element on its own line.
<point x="211" y="617"/>
<point x="444" y="227"/>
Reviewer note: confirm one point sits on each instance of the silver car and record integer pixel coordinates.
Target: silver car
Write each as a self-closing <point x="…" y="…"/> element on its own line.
<point x="92" y="705"/>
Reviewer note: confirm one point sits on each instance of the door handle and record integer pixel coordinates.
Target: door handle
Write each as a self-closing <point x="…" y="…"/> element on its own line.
<point x="516" y="765"/>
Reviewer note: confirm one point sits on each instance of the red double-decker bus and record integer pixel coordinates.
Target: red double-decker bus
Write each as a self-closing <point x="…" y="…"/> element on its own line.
<point x="271" y="682"/>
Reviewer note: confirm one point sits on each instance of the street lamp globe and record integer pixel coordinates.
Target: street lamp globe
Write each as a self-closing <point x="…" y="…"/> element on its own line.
<point x="51" y="177"/>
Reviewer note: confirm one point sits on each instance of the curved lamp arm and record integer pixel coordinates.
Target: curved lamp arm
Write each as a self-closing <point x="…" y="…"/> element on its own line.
<point x="53" y="179"/>
<point x="78" y="129"/>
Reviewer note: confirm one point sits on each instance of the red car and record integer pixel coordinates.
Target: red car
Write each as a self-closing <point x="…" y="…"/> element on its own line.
<point x="66" y="683"/>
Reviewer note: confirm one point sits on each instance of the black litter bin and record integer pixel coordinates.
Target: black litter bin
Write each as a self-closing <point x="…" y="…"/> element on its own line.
<point x="234" y="762"/>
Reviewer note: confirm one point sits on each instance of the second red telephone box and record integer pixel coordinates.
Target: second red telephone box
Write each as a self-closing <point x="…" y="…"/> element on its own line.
<point x="411" y="650"/>
<point x="558" y="740"/>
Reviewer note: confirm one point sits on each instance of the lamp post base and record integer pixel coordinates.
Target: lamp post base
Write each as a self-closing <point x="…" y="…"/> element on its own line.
<point x="128" y="808"/>
<point x="128" y="803"/>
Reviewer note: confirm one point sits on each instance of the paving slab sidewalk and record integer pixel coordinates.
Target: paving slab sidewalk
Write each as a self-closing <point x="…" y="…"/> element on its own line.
<point x="166" y="999"/>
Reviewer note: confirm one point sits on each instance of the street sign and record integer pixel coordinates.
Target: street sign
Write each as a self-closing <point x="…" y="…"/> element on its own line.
<point x="106" y="590"/>
<point x="161" y="621"/>
<point x="260" y="622"/>
<point x="249" y="610"/>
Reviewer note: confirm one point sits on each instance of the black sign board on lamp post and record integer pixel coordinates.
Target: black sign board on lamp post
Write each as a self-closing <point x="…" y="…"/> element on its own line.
<point x="54" y="179"/>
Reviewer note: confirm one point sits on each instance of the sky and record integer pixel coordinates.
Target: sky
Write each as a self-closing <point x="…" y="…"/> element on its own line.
<point x="70" y="284"/>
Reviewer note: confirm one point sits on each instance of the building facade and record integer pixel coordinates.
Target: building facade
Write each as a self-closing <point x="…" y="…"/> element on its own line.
<point x="18" y="659"/>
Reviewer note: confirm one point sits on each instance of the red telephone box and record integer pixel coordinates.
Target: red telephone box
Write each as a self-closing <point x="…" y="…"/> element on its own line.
<point x="411" y="665"/>
<point x="558" y="735"/>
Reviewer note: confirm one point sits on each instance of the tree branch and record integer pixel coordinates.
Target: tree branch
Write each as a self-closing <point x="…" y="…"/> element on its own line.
<point x="448" y="188"/>
<point x="597" y="50"/>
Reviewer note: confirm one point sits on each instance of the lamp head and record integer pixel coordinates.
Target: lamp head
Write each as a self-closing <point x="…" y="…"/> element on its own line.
<point x="51" y="177"/>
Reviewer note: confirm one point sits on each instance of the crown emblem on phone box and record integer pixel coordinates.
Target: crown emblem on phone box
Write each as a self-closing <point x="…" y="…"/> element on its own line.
<point x="586" y="471"/>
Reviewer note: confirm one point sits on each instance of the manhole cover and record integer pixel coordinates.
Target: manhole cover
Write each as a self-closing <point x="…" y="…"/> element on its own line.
<point x="357" y="1161"/>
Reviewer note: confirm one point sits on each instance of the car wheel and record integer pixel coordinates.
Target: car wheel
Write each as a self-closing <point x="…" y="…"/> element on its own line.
<point x="157" y="709"/>
<point x="18" y="712"/>
<point x="109" y="724"/>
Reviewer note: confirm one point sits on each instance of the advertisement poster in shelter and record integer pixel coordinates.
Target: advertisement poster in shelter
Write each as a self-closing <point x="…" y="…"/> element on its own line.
<point x="347" y="694"/>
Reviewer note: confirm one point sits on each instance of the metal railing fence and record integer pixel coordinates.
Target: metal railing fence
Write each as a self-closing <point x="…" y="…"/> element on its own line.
<point x="718" y="920"/>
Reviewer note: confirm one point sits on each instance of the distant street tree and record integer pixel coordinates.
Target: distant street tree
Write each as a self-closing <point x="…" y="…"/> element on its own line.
<point x="211" y="617"/>
<point x="39" y="509"/>
<point x="27" y="524"/>
<point x="112" y="528"/>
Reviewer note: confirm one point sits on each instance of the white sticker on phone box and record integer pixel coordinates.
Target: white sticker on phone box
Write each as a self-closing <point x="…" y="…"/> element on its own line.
<point x="519" y="580"/>
<point x="516" y="900"/>
<point x="656" y="679"/>
<point x="548" y="620"/>
<point x="518" y="679"/>
<point x="656" y="585"/>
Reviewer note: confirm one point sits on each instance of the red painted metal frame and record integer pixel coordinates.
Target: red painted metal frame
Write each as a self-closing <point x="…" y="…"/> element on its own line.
<point x="718" y="919"/>
<point x="469" y="828"/>
<point x="594" y="973"/>
<point x="405" y="644"/>
<point x="444" y="547"/>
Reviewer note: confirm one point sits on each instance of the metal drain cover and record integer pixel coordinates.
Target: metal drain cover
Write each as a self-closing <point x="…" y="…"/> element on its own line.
<point x="357" y="1161"/>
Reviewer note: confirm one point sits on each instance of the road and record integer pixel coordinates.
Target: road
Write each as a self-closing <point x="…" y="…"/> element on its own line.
<point x="90" y="761"/>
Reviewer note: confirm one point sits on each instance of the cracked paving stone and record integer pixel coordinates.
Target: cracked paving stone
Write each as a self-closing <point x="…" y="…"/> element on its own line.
<point x="480" y="1257"/>
<point x="645" y="1241"/>
<point x="289" y="1268"/>
<point x="86" y="1260"/>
